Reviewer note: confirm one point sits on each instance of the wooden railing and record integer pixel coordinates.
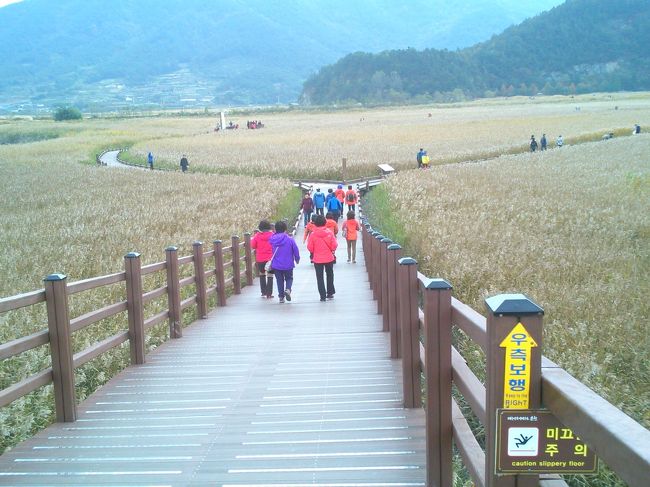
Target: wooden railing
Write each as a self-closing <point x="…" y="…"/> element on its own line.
<point x="61" y="327"/>
<point x="622" y="443"/>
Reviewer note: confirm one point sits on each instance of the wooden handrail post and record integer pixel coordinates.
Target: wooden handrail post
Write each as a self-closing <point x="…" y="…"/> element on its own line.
<point x="135" y="306"/>
<point x="220" y="273"/>
<point x="384" y="243"/>
<point x="249" y="259"/>
<point x="394" y="252"/>
<point x="199" y="279"/>
<point x="409" y="324"/>
<point x="438" y="373"/>
<point x="506" y="312"/>
<point x="367" y="251"/>
<point x="173" y="293"/>
<point x="376" y="269"/>
<point x="236" y="267"/>
<point x="58" y="323"/>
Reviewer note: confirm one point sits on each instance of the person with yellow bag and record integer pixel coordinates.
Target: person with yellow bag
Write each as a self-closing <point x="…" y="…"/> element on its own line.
<point x="423" y="159"/>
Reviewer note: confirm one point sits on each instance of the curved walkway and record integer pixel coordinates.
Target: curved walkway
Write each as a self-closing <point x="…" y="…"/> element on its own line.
<point x="110" y="158"/>
<point x="258" y="394"/>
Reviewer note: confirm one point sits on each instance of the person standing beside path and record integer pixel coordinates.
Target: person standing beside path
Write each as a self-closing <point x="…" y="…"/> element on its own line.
<point x="322" y="244"/>
<point x="307" y="206"/>
<point x="319" y="202"/>
<point x="419" y="155"/>
<point x="350" y="228"/>
<point x="533" y="144"/>
<point x="263" y="253"/>
<point x="184" y="163"/>
<point x="285" y="254"/>
<point x="559" y="142"/>
<point x="351" y="199"/>
<point x="150" y="160"/>
<point x="542" y="142"/>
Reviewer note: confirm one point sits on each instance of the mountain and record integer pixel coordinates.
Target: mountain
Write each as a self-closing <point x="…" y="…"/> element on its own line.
<point x="579" y="46"/>
<point x="97" y="54"/>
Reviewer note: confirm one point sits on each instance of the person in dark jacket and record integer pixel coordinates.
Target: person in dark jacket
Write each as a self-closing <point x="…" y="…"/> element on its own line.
<point x="542" y="142"/>
<point x="307" y="206"/>
<point x="285" y="253"/>
<point x="184" y="163"/>
<point x="533" y="144"/>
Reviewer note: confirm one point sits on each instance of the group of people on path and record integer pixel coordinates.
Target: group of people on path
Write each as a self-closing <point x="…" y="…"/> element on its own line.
<point x="276" y="252"/>
<point x="543" y="143"/>
<point x="333" y="202"/>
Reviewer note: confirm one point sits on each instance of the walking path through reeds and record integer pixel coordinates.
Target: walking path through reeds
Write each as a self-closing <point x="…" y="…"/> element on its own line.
<point x="259" y="393"/>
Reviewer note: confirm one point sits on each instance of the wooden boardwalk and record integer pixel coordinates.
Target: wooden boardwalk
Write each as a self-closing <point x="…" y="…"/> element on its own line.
<point x="259" y="394"/>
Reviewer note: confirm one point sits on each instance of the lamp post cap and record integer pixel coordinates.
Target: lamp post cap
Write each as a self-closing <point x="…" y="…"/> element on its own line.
<point x="171" y="248"/>
<point x="438" y="283"/>
<point x="386" y="240"/>
<point x="394" y="246"/>
<point x="55" y="277"/>
<point x="513" y="304"/>
<point x="132" y="255"/>
<point x="407" y="261"/>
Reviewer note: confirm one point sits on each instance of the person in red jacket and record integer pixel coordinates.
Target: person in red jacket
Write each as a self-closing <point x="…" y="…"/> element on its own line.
<point x="263" y="253"/>
<point x="322" y="244"/>
<point x="350" y="228"/>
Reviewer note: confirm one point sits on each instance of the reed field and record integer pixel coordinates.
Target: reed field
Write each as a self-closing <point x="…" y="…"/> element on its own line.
<point x="569" y="227"/>
<point x="63" y="216"/>
<point x="312" y="145"/>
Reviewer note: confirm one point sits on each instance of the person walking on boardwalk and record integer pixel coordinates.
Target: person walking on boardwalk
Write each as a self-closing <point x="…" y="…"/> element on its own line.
<point x="340" y="195"/>
<point x="184" y="163"/>
<point x="350" y="228"/>
<point x="319" y="202"/>
<point x="307" y="206"/>
<point x="285" y="254"/>
<point x="263" y="253"/>
<point x="322" y="244"/>
<point x="533" y="144"/>
<point x="150" y="160"/>
<point x="331" y="224"/>
<point x="351" y="199"/>
<point x="333" y="205"/>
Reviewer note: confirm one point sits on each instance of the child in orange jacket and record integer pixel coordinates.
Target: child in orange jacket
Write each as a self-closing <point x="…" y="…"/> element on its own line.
<point x="331" y="224"/>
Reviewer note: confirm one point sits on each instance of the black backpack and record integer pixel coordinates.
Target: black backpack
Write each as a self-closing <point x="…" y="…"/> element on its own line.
<point x="350" y="197"/>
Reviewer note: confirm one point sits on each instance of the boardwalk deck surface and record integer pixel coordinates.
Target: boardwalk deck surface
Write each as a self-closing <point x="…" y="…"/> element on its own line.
<point x="259" y="394"/>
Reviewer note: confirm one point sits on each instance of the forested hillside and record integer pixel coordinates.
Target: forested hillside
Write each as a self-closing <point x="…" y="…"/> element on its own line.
<point x="184" y="52"/>
<point x="577" y="47"/>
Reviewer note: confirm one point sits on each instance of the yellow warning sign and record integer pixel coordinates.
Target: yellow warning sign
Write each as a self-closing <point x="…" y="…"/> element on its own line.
<point x="516" y="381"/>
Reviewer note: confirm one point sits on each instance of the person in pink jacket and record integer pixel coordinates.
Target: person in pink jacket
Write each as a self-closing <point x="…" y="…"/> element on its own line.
<point x="263" y="253"/>
<point x="322" y="244"/>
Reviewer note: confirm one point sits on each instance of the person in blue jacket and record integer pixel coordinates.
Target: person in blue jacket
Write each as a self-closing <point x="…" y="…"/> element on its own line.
<point x="333" y="205"/>
<point x="285" y="253"/>
<point x="319" y="201"/>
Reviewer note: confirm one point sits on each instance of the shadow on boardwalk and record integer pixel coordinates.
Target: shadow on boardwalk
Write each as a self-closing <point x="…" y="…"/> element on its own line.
<point x="259" y="393"/>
